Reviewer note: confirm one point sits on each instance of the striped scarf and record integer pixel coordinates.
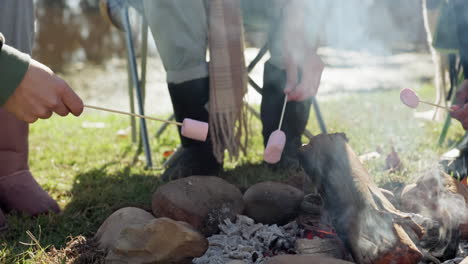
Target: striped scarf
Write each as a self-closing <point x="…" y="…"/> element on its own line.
<point x="228" y="78"/>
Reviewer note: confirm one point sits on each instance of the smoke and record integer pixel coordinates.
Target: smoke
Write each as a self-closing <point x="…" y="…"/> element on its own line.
<point x="435" y="197"/>
<point x="370" y="25"/>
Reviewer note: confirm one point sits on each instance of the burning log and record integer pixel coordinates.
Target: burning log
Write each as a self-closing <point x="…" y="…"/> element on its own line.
<point x="369" y="225"/>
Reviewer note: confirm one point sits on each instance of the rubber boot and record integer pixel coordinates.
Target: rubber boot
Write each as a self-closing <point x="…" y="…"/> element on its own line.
<point x="295" y="117"/>
<point x="18" y="189"/>
<point x="189" y="100"/>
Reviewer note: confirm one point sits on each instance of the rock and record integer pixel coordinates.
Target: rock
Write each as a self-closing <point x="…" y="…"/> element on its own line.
<point x="110" y="230"/>
<point x="236" y="262"/>
<point x="162" y="240"/>
<point x="202" y="201"/>
<point x="298" y="259"/>
<point x="272" y="202"/>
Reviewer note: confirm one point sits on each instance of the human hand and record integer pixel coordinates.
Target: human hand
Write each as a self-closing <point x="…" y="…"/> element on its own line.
<point x="460" y="109"/>
<point x="304" y="67"/>
<point x="42" y="93"/>
<point x="303" y="80"/>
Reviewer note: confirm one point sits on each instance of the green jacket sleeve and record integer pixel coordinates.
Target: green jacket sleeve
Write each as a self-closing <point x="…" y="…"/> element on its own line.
<point x="13" y="66"/>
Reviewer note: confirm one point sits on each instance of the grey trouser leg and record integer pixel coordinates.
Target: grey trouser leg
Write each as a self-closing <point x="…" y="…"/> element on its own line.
<point x="180" y="30"/>
<point x="17" y="23"/>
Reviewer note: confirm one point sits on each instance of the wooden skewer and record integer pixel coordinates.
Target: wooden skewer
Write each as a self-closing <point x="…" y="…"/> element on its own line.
<point x="282" y="111"/>
<point x="436" y="105"/>
<point x="135" y="115"/>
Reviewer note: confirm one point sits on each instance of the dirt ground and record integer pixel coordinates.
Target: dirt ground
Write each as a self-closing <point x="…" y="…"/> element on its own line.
<point x="346" y="71"/>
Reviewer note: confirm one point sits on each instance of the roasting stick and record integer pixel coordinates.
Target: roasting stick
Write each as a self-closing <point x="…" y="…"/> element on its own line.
<point x="410" y="98"/>
<point x="131" y="114"/>
<point x="436" y="105"/>
<point x="191" y="128"/>
<point x="282" y="112"/>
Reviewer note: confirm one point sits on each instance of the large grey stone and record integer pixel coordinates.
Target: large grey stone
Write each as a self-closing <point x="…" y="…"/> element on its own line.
<point x="202" y="201"/>
<point x="272" y="202"/>
<point x="110" y="230"/>
<point x="162" y="240"/>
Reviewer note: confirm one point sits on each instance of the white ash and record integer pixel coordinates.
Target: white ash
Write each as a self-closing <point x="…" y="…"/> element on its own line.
<point x="250" y="242"/>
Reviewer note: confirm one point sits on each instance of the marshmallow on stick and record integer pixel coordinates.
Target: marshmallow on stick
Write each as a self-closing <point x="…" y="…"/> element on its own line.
<point x="411" y="99"/>
<point x="276" y="141"/>
<point x="193" y="129"/>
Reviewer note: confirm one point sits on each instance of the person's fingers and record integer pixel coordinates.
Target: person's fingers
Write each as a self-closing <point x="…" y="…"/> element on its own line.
<point x="456" y="114"/>
<point x="455" y="108"/>
<point x="71" y="100"/>
<point x="461" y="114"/>
<point x="45" y="114"/>
<point x="304" y="91"/>
<point x="456" y="111"/>
<point x="61" y="109"/>
<point x="40" y="110"/>
<point x="307" y="88"/>
<point x="29" y="118"/>
<point x="299" y="94"/>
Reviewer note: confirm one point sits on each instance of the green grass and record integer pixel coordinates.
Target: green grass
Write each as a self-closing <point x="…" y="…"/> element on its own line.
<point x="92" y="172"/>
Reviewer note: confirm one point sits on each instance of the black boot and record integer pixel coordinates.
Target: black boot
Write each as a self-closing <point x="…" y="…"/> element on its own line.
<point x="189" y="100"/>
<point x="295" y="117"/>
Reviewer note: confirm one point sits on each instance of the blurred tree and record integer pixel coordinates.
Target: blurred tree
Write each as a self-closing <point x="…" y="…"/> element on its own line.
<point x="68" y="33"/>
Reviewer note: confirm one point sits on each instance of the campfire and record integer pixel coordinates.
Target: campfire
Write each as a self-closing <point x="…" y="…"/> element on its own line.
<point x="348" y="219"/>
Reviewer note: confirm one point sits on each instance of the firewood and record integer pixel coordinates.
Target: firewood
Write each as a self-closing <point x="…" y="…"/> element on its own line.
<point x="369" y="225"/>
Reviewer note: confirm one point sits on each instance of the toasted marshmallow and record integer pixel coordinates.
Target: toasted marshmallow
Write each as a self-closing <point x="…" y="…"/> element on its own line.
<point x="275" y="146"/>
<point x="194" y="129"/>
<point x="409" y="98"/>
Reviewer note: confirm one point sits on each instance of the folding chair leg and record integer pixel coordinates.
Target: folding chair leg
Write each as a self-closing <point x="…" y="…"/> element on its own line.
<point x="164" y="126"/>
<point x="144" y="55"/>
<point x="318" y="114"/>
<point x="136" y="84"/>
<point x="131" y="97"/>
